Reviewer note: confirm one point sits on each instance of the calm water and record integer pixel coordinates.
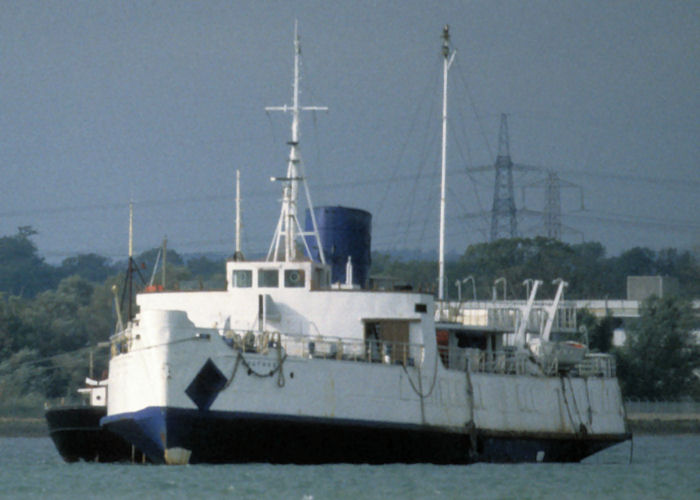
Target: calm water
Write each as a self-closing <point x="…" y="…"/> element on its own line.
<point x="662" y="467"/>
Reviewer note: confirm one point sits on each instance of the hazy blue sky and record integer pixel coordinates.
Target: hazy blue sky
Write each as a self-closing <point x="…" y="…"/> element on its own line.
<point x="160" y="102"/>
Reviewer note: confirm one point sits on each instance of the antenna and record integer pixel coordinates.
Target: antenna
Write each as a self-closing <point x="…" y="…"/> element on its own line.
<point x="131" y="229"/>
<point x="448" y="58"/>
<point x="238" y="255"/>
<point x="165" y="256"/>
<point x="131" y="268"/>
<point x="288" y="226"/>
<point x="155" y="268"/>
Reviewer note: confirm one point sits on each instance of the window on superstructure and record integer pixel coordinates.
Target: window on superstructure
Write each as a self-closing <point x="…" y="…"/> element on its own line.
<point x="268" y="278"/>
<point x="294" y="278"/>
<point x="242" y="278"/>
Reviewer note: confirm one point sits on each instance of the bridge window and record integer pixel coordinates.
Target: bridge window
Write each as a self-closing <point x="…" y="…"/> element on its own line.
<point x="294" y="278"/>
<point x="268" y="278"/>
<point x="242" y="278"/>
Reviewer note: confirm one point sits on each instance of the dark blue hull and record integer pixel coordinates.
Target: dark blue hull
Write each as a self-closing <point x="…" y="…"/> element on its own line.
<point x="542" y="447"/>
<point x="76" y="432"/>
<point x="234" y="437"/>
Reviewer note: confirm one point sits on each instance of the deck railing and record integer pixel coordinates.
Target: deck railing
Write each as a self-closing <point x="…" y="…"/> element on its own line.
<point x="505" y="316"/>
<point x="342" y="349"/>
<point x="514" y="362"/>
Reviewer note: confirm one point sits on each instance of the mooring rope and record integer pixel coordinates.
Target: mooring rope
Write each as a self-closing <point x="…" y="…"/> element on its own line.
<point x="573" y="397"/>
<point x="276" y="339"/>
<point x="566" y="403"/>
<point x="418" y="391"/>
<point x="588" y="400"/>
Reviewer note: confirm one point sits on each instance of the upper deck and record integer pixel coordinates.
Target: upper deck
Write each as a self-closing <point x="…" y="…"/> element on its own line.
<point x="505" y="315"/>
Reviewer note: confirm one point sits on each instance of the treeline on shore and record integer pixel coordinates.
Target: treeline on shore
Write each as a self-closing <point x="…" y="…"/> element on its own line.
<point x="52" y="317"/>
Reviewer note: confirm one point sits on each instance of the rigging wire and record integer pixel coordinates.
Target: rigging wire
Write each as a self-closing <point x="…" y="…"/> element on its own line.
<point x="475" y="111"/>
<point x="414" y="119"/>
<point x="429" y="201"/>
<point x="466" y="156"/>
<point x="428" y="140"/>
<point x="341" y="185"/>
<point x="305" y="69"/>
<point x="11" y="366"/>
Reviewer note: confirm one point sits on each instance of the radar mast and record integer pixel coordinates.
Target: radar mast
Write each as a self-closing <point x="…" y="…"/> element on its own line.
<point x="283" y="246"/>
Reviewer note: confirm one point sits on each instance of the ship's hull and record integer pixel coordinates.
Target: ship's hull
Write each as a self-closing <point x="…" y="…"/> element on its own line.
<point x="207" y="402"/>
<point x="172" y="435"/>
<point x="510" y="447"/>
<point x="234" y="437"/>
<point x="76" y="432"/>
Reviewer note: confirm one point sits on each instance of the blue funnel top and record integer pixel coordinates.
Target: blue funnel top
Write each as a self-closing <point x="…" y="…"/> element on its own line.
<point x="344" y="232"/>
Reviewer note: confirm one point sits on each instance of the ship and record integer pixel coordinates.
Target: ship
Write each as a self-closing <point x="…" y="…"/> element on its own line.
<point x="298" y="361"/>
<point x="76" y="432"/>
<point x="75" y="428"/>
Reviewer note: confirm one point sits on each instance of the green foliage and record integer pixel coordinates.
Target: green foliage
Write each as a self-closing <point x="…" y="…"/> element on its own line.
<point x="584" y="266"/>
<point x="14" y="332"/>
<point x="48" y="325"/>
<point x="146" y="260"/>
<point x="203" y="267"/>
<point x="660" y="352"/>
<point x="22" y="271"/>
<point x="91" y="267"/>
<point x="516" y="260"/>
<point x="599" y="330"/>
<point x="682" y="265"/>
<point x="61" y="318"/>
<point x="27" y="379"/>
<point x="421" y="275"/>
<point x="175" y="269"/>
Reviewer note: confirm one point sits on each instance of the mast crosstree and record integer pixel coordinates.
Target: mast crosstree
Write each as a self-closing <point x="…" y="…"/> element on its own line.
<point x="283" y="246"/>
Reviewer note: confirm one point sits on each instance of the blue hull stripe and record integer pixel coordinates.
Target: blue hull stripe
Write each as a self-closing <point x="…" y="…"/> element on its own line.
<point x="234" y="437"/>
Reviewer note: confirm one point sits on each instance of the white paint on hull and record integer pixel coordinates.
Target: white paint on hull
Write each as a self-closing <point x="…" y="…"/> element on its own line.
<point x="167" y="356"/>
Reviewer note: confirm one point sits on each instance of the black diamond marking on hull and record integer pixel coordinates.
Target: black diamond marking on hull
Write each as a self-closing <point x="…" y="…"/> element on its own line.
<point x="206" y="385"/>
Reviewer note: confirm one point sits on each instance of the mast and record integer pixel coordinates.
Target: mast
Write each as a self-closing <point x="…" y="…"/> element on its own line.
<point x="165" y="256"/>
<point x="288" y="226"/>
<point x="447" y="58"/>
<point x="238" y="211"/>
<point x="128" y="291"/>
<point x="130" y="269"/>
<point x="131" y="229"/>
<point x="238" y="255"/>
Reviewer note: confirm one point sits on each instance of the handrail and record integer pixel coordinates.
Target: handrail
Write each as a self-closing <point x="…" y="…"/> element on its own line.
<point x="338" y="348"/>
<point x="507" y="316"/>
<point x="519" y="362"/>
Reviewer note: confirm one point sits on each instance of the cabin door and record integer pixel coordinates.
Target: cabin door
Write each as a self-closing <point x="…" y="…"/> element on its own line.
<point x="386" y="340"/>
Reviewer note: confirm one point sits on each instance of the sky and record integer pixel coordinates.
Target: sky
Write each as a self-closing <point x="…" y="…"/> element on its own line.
<point x="160" y="102"/>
